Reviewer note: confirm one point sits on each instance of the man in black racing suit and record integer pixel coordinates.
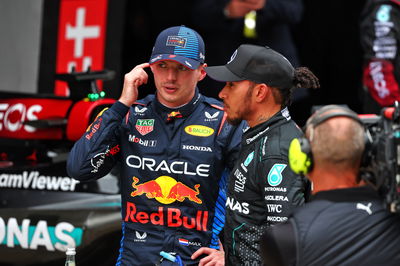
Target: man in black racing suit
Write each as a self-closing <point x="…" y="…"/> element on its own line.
<point x="173" y="147"/>
<point x="380" y="40"/>
<point x="262" y="190"/>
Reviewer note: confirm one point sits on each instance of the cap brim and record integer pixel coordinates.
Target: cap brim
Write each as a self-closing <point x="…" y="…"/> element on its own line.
<point x="222" y="73"/>
<point x="187" y="62"/>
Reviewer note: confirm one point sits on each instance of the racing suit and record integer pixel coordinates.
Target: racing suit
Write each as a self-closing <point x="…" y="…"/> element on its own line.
<point x="380" y="40"/>
<point x="262" y="189"/>
<point x="172" y="162"/>
<point x="337" y="227"/>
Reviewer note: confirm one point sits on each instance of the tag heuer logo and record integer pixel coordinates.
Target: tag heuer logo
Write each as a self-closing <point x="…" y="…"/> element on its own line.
<point x="144" y="126"/>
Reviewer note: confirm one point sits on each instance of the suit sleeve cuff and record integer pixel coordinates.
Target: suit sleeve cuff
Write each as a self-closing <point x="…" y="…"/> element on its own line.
<point x="120" y="109"/>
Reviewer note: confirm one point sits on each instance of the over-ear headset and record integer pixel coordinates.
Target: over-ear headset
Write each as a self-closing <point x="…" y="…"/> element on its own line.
<point x="300" y="154"/>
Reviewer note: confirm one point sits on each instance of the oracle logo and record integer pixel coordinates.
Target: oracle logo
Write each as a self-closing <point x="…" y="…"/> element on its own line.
<point x="13" y="116"/>
<point x="176" y="167"/>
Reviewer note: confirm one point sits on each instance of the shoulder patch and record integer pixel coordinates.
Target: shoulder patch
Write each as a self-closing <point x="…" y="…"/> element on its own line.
<point x="249" y="159"/>
<point x="97" y="116"/>
<point x="275" y="174"/>
<point x="383" y="14"/>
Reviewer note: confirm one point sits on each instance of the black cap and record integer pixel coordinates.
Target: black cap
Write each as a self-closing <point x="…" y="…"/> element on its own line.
<point x="256" y="63"/>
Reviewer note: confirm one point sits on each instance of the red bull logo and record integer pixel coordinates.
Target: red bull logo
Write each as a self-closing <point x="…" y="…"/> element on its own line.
<point x="174" y="114"/>
<point x="171" y="217"/>
<point x="93" y="128"/>
<point x="166" y="190"/>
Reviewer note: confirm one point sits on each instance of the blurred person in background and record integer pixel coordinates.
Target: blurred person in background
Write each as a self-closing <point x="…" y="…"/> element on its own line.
<point x="173" y="146"/>
<point x="380" y="39"/>
<point x="230" y="23"/>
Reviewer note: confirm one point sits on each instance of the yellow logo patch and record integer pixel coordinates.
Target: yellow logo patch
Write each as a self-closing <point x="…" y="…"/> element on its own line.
<point x="199" y="130"/>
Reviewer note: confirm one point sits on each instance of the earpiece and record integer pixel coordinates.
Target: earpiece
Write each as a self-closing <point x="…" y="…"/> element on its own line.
<point x="300" y="156"/>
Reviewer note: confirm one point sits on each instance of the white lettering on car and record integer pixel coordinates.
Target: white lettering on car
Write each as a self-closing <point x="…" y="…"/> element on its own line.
<point x="31" y="236"/>
<point x="33" y="180"/>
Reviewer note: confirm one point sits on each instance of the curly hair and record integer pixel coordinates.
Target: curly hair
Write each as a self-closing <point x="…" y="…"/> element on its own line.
<point x="303" y="78"/>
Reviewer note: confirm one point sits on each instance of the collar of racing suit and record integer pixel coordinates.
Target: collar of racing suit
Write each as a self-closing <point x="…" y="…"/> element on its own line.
<point x="184" y="110"/>
<point x="254" y="133"/>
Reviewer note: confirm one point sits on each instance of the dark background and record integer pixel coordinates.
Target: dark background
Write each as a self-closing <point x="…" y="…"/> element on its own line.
<point x="327" y="39"/>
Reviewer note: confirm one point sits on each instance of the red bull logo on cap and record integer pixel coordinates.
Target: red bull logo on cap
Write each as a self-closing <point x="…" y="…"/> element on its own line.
<point x="176" y="41"/>
<point x="166" y="190"/>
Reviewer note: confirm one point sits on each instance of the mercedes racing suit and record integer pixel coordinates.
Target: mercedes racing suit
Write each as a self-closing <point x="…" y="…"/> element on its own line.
<point x="172" y="162"/>
<point x="380" y="39"/>
<point x="262" y="189"/>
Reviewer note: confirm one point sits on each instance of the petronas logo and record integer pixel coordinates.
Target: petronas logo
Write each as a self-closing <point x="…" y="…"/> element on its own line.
<point x="275" y="174"/>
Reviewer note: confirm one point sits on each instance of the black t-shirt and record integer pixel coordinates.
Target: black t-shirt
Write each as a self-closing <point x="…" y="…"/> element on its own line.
<point x="338" y="227"/>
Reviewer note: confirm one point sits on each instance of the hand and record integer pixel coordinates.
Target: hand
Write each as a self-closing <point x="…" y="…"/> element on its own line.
<point x="214" y="256"/>
<point x="239" y="8"/>
<point x="256" y="4"/>
<point x="136" y="77"/>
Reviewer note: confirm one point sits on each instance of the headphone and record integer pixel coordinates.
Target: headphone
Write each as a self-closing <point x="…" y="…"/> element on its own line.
<point x="300" y="154"/>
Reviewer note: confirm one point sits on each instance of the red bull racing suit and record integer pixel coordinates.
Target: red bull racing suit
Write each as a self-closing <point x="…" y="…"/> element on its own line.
<point x="262" y="189"/>
<point x="380" y="39"/>
<point x="172" y="163"/>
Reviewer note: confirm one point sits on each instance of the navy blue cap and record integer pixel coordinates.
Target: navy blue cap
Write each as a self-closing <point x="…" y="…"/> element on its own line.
<point x="180" y="44"/>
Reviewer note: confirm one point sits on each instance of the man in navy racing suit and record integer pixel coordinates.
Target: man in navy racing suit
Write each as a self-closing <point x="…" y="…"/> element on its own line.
<point x="262" y="190"/>
<point x="173" y="146"/>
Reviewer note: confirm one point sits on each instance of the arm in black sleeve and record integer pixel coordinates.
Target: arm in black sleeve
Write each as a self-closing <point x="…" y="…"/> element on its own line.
<point x="96" y="152"/>
<point x="278" y="245"/>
